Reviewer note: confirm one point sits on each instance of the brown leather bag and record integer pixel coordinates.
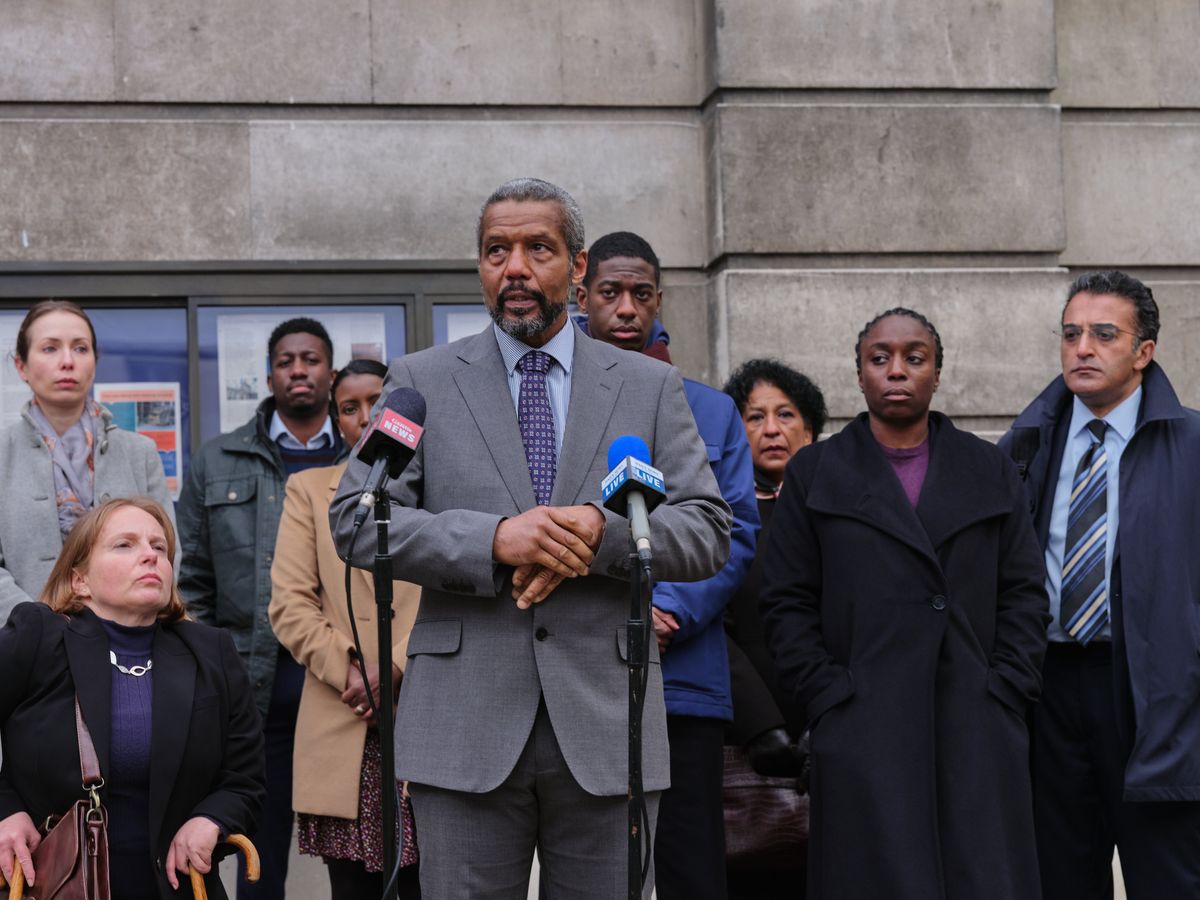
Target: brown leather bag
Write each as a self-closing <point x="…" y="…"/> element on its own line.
<point x="71" y="862"/>
<point x="766" y="819"/>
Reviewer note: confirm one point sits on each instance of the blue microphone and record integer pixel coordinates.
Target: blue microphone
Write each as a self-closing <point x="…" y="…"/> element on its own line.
<point x="633" y="488"/>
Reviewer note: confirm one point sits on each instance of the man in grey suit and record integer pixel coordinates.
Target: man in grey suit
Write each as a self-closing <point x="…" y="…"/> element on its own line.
<point x="512" y="726"/>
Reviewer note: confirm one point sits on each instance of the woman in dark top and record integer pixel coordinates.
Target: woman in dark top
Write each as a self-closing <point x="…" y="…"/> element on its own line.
<point x="111" y="630"/>
<point x="904" y="606"/>
<point x="782" y="411"/>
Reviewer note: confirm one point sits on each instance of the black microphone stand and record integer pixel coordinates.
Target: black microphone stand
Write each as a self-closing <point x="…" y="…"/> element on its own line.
<point x="385" y="714"/>
<point x="637" y="651"/>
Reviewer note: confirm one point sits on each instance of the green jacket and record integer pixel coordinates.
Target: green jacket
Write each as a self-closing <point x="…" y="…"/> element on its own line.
<point x="228" y="516"/>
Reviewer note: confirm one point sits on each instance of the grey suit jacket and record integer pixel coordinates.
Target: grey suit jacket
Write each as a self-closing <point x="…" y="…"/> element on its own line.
<point x="476" y="664"/>
<point x="126" y="465"/>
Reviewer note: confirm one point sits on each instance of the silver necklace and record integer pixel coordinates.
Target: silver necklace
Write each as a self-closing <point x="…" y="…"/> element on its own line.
<point x="135" y="671"/>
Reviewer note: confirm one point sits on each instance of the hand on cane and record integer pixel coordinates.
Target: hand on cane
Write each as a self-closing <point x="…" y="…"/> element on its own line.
<point x="18" y="839"/>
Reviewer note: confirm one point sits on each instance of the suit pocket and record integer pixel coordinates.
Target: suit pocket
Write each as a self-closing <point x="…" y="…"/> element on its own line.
<point x="623" y="651"/>
<point x="435" y="636"/>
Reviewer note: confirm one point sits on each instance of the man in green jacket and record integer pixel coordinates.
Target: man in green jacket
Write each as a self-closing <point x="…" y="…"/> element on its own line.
<point x="228" y="518"/>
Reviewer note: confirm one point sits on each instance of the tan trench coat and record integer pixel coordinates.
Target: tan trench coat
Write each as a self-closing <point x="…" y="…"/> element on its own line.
<point x="308" y="613"/>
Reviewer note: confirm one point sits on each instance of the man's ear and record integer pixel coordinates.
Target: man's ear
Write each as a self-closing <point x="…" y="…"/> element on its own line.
<point x="581" y="297"/>
<point x="1143" y="355"/>
<point x="579" y="267"/>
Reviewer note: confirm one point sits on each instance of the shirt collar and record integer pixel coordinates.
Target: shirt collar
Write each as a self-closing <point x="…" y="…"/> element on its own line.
<point x="323" y="438"/>
<point x="1122" y="419"/>
<point x="561" y="347"/>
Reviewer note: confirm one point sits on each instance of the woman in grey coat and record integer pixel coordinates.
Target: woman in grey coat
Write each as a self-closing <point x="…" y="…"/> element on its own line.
<point x="66" y="455"/>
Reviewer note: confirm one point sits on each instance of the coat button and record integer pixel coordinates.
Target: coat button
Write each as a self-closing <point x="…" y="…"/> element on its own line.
<point x="232" y="495"/>
<point x="541" y="634"/>
<point x="938" y="602"/>
<point x="158" y="864"/>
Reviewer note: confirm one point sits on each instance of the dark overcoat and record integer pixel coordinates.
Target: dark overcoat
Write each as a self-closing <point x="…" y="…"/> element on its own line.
<point x="1155" y="580"/>
<point x="206" y="736"/>
<point x="912" y="640"/>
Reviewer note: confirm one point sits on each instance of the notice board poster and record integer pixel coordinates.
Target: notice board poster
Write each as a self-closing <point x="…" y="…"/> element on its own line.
<point x="14" y="392"/>
<point x="151" y="409"/>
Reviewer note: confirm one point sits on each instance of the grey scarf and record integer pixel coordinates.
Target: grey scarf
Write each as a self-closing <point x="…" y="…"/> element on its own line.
<point x="71" y="456"/>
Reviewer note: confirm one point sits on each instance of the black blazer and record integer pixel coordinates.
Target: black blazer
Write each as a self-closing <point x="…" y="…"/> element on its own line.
<point x="206" y="741"/>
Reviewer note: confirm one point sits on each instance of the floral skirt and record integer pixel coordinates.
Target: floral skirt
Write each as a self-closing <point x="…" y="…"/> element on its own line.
<point x="360" y="839"/>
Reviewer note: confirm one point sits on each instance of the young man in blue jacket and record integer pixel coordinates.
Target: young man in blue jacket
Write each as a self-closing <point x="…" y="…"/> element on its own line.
<point x="1110" y="460"/>
<point x="621" y="298"/>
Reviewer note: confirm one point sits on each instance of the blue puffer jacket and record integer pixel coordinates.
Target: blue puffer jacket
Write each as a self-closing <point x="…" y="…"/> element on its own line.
<point x="695" y="666"/>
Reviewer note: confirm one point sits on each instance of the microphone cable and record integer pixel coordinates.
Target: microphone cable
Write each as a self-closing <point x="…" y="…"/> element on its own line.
<point x="389" y="890"/>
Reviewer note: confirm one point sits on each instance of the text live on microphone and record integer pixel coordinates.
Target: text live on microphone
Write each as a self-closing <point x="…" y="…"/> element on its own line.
<point x="633" y="488"/>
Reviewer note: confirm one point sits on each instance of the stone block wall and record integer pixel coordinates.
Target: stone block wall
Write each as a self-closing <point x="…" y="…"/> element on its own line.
<point x="799" y="165"/>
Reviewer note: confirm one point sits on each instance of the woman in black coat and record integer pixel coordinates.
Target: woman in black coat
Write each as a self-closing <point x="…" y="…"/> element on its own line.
<point x="905" y="610"/>
<point x="167" y="703"/>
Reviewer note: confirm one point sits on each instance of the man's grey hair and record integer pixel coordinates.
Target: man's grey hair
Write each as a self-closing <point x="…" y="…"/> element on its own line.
<point x="525" y="190"/>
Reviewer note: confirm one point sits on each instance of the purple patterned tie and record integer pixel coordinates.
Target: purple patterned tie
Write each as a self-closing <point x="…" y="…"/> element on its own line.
<point x="537" y="423"/>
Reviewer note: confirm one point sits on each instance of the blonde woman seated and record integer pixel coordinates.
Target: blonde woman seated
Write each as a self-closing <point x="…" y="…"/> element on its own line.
<point x="338" y="799"/>
<point x="167" y="702"/>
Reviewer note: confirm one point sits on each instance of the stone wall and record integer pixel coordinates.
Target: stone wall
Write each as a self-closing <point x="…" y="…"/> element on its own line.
<point x="799" y="165"/>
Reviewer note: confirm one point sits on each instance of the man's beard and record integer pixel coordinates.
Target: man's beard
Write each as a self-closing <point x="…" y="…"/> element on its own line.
<point x="532" y="323"/>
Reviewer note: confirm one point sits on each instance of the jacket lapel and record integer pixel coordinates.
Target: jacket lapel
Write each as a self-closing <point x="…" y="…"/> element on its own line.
<point x="87" y="656"/>
<point x="856" y="481"/>
<point x="594" y="391"/>
<point x="956" y="493"/>
<point x="484" y="386"/>
<point x="171" y="715"/>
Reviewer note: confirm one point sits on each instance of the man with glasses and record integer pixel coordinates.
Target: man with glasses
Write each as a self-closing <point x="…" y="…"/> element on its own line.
<point x="1110" y="458"/>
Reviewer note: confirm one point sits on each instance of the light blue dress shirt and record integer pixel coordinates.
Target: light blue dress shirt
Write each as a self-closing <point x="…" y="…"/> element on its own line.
<point x="561" y="349"/>
<point x="1121" y="423"/>
<point x="279" y="432"/>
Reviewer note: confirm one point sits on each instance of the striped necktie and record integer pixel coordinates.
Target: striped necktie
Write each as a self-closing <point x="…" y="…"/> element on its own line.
<point x="1084" y="594"/>
<point x="537" y="423"/>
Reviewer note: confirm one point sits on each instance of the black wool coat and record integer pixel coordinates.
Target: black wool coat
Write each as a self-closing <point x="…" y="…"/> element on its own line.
<point x="206" y="736"/>
<point x="1154" y="589"/>
<point x="912" y="641"/>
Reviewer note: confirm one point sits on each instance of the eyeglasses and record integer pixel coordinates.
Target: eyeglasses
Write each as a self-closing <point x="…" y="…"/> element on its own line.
<point x="1100" y="333"/>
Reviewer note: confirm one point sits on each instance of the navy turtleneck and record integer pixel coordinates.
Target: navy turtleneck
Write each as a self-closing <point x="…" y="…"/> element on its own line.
<point x="128" y="779"/>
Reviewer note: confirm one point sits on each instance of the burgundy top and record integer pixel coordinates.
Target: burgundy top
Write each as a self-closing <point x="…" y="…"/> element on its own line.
<point x="910" y="465"/>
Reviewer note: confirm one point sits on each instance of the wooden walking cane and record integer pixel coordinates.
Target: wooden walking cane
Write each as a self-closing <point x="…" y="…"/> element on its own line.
<point x="244" y="844"/>
<point x="17" y="888"/>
